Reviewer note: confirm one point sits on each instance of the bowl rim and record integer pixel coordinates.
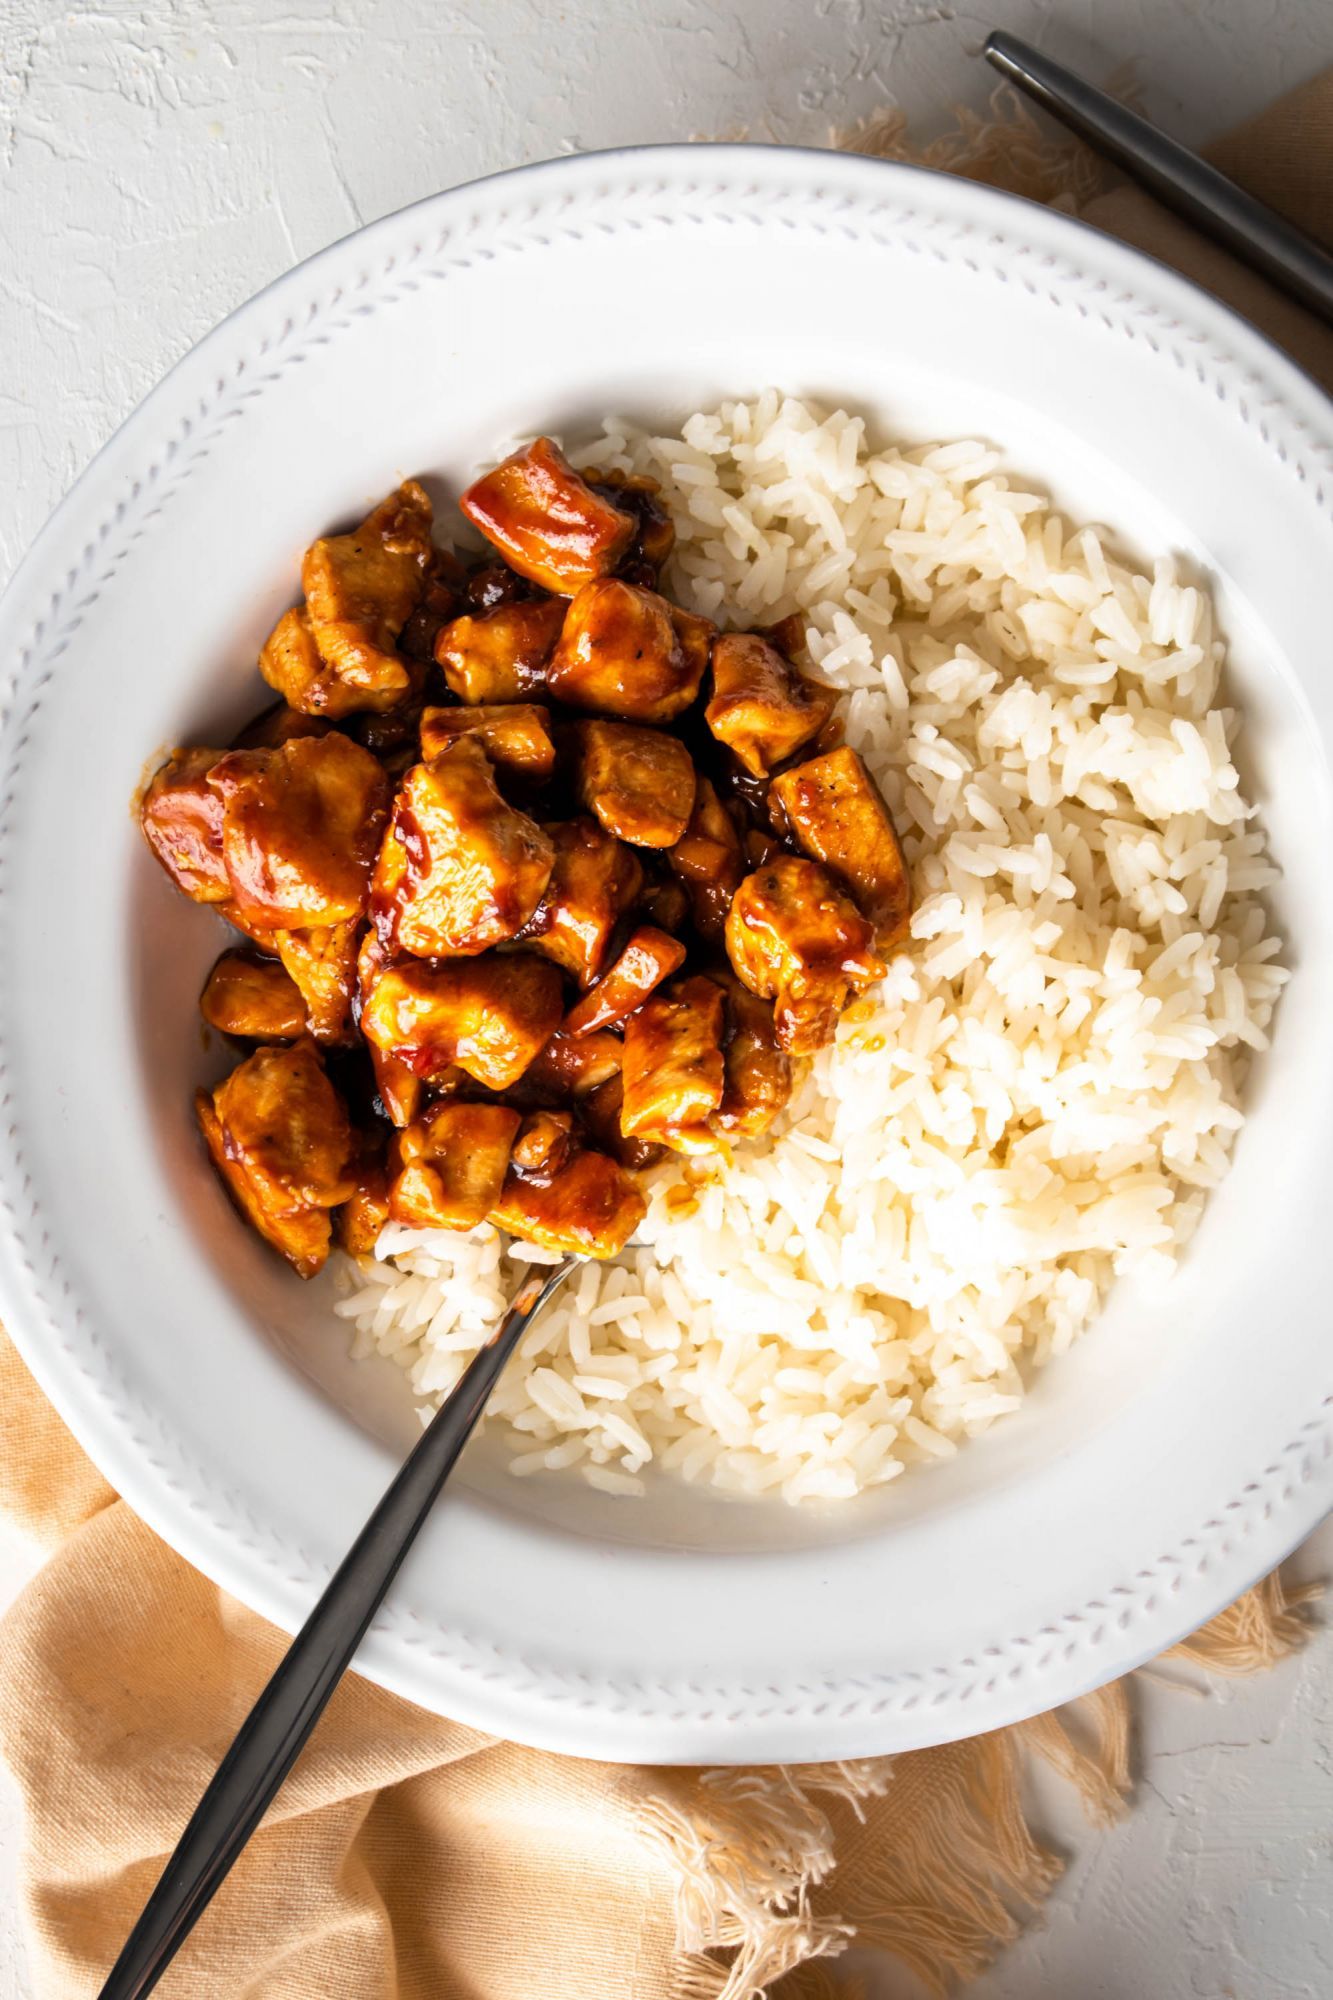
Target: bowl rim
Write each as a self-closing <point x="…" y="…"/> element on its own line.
<point x="1291" y="1492"/>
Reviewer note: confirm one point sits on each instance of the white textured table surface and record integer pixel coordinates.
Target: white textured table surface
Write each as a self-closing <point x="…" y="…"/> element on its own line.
<point x="163" y="160"/>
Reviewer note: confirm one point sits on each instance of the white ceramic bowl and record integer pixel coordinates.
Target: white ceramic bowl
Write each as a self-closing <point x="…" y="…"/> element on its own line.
<point x="1175" y="1455"/>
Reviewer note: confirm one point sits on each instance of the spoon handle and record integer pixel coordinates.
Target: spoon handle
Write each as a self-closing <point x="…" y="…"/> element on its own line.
<point x="273" y="1733"/>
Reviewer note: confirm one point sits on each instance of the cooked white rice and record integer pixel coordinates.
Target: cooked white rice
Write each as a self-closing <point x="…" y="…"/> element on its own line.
<point x="1043" y="1089"/>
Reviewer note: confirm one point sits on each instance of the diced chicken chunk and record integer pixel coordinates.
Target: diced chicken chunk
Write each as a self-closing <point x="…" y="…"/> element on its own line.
<point x="709" y="859"/>
<point x="648" y="958"/>
<point x="761" y="708"/>
<point x="362" y="587"/>
<point x="591" y="1206"/>
<point x="358" y="1223"/>
<point x="546" y="520"/>
<point x="454" y="1161"/>
<point x="253" y="997"/>
<point x="544" y="1143"/>
<point x="291" y="663"/>
<point x="516" y="736"/>
<point x="600" y="1111"/>
<point x="398" y="1085"/>
<point x="796" y="937"/>
<point x="181" y="817"/>
<point x="280" y="1138"/>
<point x="758" y="1072"/>
<point x="673" y="1067"/>
<point x="322" y="961"/>
<point x="788" y="635"/>
<point x="593" y="882"/>
<point x="572" y="1065"/>
<point x="460" y="869"/>
<point x="399" y="1088"/>
<point x="501" y="655"/>
<point x="638" y="782"/>
<point x="300" y="828"/>
<point x="620" y="654"/>
<point x="695" y="637"/>
<point x="837" y="813"/>
<point x="489" y="1016"/>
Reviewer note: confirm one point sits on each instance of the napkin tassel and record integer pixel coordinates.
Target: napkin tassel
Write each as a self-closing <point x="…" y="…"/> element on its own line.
<point x="1255" y="1632"/>
<point x="936" y="1844"/>
<point x="747" y="1849"/>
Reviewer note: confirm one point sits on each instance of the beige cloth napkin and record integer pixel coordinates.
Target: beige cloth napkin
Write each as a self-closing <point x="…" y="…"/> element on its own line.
<point x="410" y="1858"/>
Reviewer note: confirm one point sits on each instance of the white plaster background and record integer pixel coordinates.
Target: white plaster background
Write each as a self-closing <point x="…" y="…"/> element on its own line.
<point x="161" y="161"/>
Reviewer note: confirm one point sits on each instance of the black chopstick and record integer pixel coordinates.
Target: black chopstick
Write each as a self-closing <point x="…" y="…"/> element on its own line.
<point x="1262" y="238"/>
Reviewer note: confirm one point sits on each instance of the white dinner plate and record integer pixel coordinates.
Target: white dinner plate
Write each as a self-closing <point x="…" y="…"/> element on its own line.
<point x="1182" y="1447"/>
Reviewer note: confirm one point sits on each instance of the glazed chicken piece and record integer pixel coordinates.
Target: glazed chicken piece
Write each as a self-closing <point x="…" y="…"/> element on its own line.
<point x="516" y="736"/>
<point x="489" y="1016"/>
<point x="362" y="587"/>
<point x="654" y="532"/>
<point x="709" y="859"/>
<point x="544" y="1143"/>
<point x="638" y="782"/>
<point x="758" y="1072"/>
<point x="280" y="1138"/>
<point x="181" y="817"/>
<point x="600" y="1111"/>
<point x="593" y="882"/>
<point x="837" y="813"/>
<point x="648" y="958"/>
<point x="673" y="1067"/>
<point x="290" y="662"/>
<point x="300" y="827"/>
<point x="546" y="520"/>
<point x="796" y="937"/>
<point x="695" y="637"/>
<point x="788" y="635"/>
<point x="621" y="653"/>
<point x="591" y="1206"/>
<point x="502" y="654"/>
<point x="399" y="1088"/>
<point x="322" y="962"/>
<point x="460" y="870"/>
<point x="357" y="1224"/>
<point x="572" y="1066"/>
<point x="454" y="1161"/>
<point x="253" y="997"/>
<point x="761" y="708"/>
